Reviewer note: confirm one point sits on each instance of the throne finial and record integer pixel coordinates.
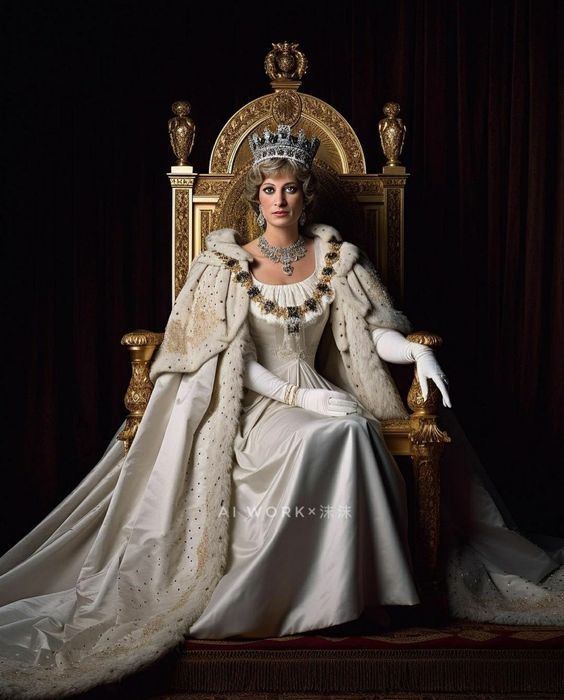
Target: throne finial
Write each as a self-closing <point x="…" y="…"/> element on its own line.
<point x="181" y="130"/>
<point x="285" y="65"/>
<point x="392" y="135"/>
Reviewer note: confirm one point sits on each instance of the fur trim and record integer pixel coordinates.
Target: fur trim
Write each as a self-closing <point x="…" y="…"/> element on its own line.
<point x="365" y="375"/>
<point x="225" y="240"/>
<point x="483" y="594"/>
<point x="324" y="231"/>
<point x="206" y="316"/>
<point x="364" y="292"/>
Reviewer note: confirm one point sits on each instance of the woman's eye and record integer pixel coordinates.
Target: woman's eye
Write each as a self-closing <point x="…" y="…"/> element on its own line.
<point x="268" y="190"/>
<point x="291" y="189"/>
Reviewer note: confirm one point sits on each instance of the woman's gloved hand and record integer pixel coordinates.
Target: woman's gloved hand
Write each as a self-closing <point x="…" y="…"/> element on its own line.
<point x="429" y="368"/>
<point x="392" y="346"/>
<point x="326" y="401"/>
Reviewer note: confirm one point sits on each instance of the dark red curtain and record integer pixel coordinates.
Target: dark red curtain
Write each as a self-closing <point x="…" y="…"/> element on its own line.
<point x="86" y="227"/>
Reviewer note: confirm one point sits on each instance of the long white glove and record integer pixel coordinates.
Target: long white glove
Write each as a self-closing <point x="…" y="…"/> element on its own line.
<point x="394" y="347"/>
<point x="263" y="381"/>
<point x="325" y="401"/>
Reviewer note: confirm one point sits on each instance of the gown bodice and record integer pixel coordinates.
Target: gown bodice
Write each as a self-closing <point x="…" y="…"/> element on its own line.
<point x="276" y="345"/>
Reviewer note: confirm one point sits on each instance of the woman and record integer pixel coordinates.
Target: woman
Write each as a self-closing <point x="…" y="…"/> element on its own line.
<point x="195" y="531"/>
<point x="341" y="542"/>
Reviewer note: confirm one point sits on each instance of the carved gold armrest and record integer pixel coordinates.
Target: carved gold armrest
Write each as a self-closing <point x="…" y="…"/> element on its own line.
<point x="424" y="418"/>
<point x="415" y="400"/>
<point x="142" y="345"/>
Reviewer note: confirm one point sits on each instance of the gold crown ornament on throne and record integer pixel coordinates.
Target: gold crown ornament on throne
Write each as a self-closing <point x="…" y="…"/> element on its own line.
<point x="283" y="144"/>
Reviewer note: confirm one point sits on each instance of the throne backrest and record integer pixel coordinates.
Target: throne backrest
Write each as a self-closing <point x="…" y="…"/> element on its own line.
<point x="367" y="209"/>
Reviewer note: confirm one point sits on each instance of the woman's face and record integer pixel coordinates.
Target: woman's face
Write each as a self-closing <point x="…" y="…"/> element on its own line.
<point x="281" y="200"/>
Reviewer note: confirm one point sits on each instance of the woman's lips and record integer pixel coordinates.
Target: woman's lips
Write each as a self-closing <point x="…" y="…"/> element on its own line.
<point x="280" y="213"/>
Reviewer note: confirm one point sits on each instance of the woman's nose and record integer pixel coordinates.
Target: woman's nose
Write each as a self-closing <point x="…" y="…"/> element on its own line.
<point x="281" y="198"/>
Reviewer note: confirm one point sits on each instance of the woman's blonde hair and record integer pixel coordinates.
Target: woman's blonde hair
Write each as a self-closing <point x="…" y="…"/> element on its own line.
<point x="277" y="166"/>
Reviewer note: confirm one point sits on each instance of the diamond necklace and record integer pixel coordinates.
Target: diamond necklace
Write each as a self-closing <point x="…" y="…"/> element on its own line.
<point x="287" y="255"/>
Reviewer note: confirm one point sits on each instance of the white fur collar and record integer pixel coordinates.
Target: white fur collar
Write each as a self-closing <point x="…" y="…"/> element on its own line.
<point x="224" y="240"/>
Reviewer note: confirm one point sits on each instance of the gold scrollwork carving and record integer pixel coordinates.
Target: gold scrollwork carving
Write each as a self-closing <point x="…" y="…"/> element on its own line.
<point x="393" y="181"/>
<point x="141" y="338"/>
<point x="205" y="223"/>
<point x="393" y="212"/>
<point x="431" y="340"/>
<point x="181" y="238"/>
<point x="142" y="344"/>
<point x="401" y="425"/>
<point x="339" y="144"/>
<point x="417" y="403"/>
<point x="210" y="187"/>
<point x="426" y="465"/>
<point x="428" y="432"/>
<point x="286" y="107"/>
<point x="361" y="186"/>
<point x="231" y="210"/>
<point x="240" y="123"/>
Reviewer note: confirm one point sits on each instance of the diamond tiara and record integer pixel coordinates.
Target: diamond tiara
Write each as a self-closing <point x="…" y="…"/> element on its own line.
<point x="283" y="144"/>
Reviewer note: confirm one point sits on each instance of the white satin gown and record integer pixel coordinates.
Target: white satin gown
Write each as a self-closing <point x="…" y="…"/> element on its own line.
<point x="318" y="517"/>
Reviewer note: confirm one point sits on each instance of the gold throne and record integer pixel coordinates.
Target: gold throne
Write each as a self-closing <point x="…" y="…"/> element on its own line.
<point x="366" y="208"/>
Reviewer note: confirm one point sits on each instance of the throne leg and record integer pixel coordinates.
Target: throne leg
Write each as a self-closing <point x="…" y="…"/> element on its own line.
<point x="429" y="570"/>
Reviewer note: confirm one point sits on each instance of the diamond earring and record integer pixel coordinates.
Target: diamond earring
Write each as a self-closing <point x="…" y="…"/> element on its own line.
<point x="302" y="218"/>
<point x="261" y="221"/>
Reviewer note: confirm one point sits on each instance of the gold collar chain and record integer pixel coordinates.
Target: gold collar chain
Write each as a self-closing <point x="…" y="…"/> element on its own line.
<point x="292" y="314"/>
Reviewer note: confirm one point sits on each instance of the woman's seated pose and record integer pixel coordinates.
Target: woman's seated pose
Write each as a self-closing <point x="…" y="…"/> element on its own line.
<point x="258" y="497"/>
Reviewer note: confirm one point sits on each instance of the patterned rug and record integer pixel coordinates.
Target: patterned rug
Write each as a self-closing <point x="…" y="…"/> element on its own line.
<point x="463" y="635"/>
<point x="460" y="660"/>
